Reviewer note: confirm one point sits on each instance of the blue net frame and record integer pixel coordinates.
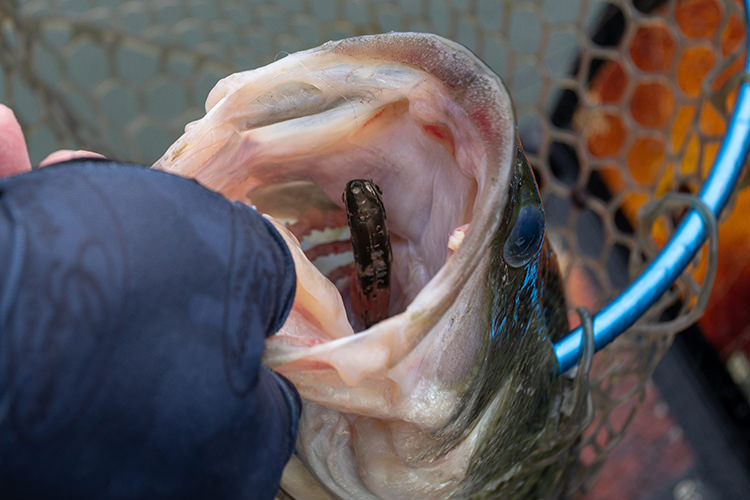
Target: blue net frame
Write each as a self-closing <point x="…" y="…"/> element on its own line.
<point x="642" y="293"/>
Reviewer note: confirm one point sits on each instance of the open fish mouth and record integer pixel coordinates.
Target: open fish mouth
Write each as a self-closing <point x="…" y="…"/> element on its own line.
<point x="417" y="114"/>
<point x="403" y="408"/>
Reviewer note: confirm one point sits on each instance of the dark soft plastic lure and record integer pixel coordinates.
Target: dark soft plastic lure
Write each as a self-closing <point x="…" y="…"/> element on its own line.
<point x="371" y="244"/>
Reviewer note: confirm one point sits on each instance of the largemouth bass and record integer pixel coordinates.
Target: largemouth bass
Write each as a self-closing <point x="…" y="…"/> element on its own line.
<point x="454" y="393"/>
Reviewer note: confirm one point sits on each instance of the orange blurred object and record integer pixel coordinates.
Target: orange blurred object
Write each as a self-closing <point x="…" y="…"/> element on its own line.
<point x="698" y="18"/>
<point x="642" y="51"/>
<point x="606" y="134"/>
<point x="652" y="104"/>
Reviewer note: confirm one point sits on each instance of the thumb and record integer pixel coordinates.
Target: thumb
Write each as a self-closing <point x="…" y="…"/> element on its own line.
<point x="14" y="158"/>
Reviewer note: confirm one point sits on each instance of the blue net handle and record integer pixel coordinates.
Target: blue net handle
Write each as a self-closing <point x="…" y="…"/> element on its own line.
<point x="635" y="300"/>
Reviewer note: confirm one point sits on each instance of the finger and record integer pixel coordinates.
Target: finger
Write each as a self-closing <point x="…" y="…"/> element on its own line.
<point x="68" y="154"/>
<point x="14" y="158"/>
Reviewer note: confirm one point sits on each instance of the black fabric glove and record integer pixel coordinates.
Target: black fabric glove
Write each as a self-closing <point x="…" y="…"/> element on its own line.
<point x="134" y="305"/>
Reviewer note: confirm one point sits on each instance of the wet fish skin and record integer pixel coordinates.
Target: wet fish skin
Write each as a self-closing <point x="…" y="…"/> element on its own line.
<point x="527" y="312"/>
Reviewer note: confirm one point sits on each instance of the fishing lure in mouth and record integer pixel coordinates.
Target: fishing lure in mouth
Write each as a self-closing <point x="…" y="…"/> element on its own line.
<point x="371" y="245"/>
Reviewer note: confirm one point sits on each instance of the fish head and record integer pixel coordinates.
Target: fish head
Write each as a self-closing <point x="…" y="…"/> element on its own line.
<point x="447" y="395"/>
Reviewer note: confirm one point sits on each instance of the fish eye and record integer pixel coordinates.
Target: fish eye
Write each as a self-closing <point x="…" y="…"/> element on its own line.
<point x="525" y="237"/>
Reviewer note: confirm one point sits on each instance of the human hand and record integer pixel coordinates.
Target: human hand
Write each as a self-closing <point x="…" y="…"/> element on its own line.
<point x="14" y="158"/>
<point x="134" y="305"/>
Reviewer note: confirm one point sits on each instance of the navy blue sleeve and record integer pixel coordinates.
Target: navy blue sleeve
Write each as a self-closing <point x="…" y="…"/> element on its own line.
<point x="134" y="305"/>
